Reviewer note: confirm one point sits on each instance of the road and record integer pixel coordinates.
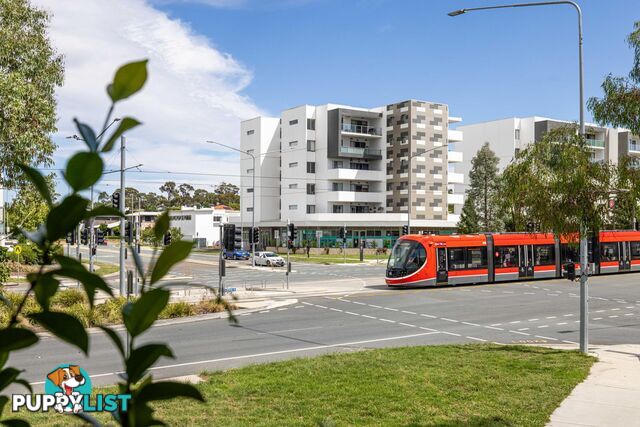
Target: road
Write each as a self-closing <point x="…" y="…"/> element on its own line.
<point x="531" y="312"/>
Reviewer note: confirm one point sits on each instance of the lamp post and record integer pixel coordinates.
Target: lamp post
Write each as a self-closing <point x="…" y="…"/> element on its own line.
<point x="416" y="154"/>
<point x="584" y="305"/>
<point x="253" y="195"/>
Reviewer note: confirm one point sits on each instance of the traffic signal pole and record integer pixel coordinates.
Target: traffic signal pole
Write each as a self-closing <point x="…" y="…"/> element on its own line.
<point x="92" y="243"/>
<point x="123" y="249"/>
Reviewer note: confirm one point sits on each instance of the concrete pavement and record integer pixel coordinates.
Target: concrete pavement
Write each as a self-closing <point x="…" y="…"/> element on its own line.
<point x="610" y="396"/>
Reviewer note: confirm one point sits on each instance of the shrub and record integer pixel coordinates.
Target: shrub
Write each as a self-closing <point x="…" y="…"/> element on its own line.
<point x="177" y="309"/>
<point x="3" y="253"/>
<point x="68" y="297"/>
<point x="108" y="312"/>
<point x="5" y="272"/>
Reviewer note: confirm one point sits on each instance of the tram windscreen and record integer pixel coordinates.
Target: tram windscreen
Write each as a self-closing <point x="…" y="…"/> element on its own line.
<point x="407" y="256"/>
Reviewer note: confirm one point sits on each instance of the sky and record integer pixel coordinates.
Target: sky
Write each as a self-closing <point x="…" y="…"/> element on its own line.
<point x="214" y="63"/>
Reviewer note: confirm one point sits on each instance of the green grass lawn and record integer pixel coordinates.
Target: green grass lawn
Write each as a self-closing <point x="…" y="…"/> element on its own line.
<point x="478" y="385"/>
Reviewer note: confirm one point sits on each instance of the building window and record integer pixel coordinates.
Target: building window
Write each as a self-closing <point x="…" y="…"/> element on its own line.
<point x="293" y="207"/>
<point x="311" y="209"/>
<point x="249" y="209"/>
<point x="311" y="189"/>
<point x="506" y="256"/>
<point x="293" y="186"/>
<point x="450" y="209"/>
<point x="337" y="186"/>
<point x="517" y="133"/>
<point x="311" y="124"/>
<point x="337" y="164"/>
<point x="311" y="145"/>
<point x="249" y="170"/>
<point x="249" y="190"/>
<point x="293" y="144"/>
<point x="293" y="122"/>
<point x="250" y="132"/>
<point x="311" y="167"/>
<point x="217" y="218"/>
<point x="337" y="208"/>
<point x="293" y="165"/>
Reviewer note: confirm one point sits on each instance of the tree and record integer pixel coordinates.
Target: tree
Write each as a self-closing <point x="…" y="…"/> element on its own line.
<point x="169" y="187"/>
<point x="104" y="198"/>
<point x="625" y="211"/>
<point x="227" y="194"/>
<point x="620" y="106"/>
<point x="28" y="209"/>
<point x="481" y="213"/>
<point x="30" y="70"/>
<point x="184" y="194"/>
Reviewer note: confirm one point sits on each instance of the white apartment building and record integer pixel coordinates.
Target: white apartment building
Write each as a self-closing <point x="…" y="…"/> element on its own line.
<point x="324" y="167"/>
<point x="201" y="225"/>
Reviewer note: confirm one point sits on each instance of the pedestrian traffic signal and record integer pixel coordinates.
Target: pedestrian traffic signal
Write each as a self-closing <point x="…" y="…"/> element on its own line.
<point x="292" y="232"/>
<point x="128" y="232"/>
<point x="167" y="239"/>
<point x="405" y="230"/>
<point x="115" y="200"/>
<point x="84" y="236"/>
<point x="228" y="237"/>
<point x="571" y="271"/>
<point x="255" y="235"/>
<point x="237" y="238"/>
<point x="99" y="237"/>
<point x="71" y="237"/>
<point x="342" y="233"/>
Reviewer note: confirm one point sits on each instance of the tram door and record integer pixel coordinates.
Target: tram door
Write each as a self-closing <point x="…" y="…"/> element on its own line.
<point x="442" y="274"/>
<point x="625" y="256"/>
<point x="525" y="270"/>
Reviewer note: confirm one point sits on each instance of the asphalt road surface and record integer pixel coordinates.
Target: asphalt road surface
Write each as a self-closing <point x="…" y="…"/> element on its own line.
<point x="530" y="312"/>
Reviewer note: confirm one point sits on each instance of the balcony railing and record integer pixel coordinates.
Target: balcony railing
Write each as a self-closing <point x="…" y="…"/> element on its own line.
<point x="361" y="129"/>
<point x="361" y="151"/>
<point x="594" y="142"/>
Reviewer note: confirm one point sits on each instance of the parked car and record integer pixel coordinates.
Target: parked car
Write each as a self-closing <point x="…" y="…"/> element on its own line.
<point x="270" y="259"/>
<point x="236" y="254"/>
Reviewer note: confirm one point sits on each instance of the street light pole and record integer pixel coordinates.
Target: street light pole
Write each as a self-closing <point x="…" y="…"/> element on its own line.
<point x="253" y="194"/>
<point x="584" y="303"/>
<point x="123" y="282"/>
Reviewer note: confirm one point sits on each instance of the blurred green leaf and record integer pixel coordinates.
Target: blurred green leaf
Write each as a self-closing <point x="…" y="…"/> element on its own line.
<point x="161" y="226"/>
<point x="65" y="216"/>
<point x="83" y="170"/>
<point x="164" y="390"/>
<point x="45" y="288"/>
<point x="38" y="236"/>
<point x="171" y="255"/>
<point x="142" y="358"/>
<point x="126" y="124"/>
<point x="14" y="422"/>
<point x="3" y="401"/>
<point x="88" y="135"/>
<point x="38" y="181"/>
<point x="90" y="281"/>
<point x="65" y="327"/>
<point x="7" y="376"/>
<point x="140" y="315"/>
<point x="115" y="338"/>
<point x="128" y="80"/>
<point x="103" y="210"/>
<point x="16" y="338"/>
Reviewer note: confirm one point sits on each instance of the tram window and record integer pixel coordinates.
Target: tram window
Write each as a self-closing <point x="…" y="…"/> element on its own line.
<point x="545" y="255"/>
<point x="506" y="256"/>
<point x="609" y="251"/>
<point x="476" y="257"/>
<point x="416" y="259"/>
<point x="569" y="253"/>
<point x="456" y="258"/>
<point x="635" y="250"/>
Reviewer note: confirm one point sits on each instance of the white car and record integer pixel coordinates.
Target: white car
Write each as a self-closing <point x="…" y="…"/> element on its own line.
<point x="270" y="259"/>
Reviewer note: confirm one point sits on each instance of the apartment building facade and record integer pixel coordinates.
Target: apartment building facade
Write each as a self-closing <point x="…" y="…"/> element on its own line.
<point x="324" y="167"/>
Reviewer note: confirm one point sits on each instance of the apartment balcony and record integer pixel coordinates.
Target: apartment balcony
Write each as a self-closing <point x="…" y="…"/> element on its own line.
<point x="361" y="153"/>
<point x="455" y="178"/>
<point x="455" y="199"/>
<point x="595" y="142"/>
<point x="455" y="135"/>
<point x="355" y="196"/>
<point x="634" y="148"/>
<point x="455" y="157"/>
<point x="360" y="130"/>
<point x="348" y="174"/>
<point x="453" y="218"/>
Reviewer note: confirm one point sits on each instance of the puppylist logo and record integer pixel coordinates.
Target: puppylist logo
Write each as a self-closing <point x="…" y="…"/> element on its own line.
<point x="67" y="389"/>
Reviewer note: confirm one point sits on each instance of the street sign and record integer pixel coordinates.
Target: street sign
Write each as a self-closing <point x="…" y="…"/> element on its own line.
<point x="17" y="249"/>
<point x="231" y="289"/>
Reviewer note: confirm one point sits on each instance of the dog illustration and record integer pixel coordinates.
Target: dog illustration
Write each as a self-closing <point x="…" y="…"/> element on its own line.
<point x="67" y="379"/>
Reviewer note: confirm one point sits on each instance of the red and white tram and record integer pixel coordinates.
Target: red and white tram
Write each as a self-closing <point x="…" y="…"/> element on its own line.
<point x="430" y="260"/>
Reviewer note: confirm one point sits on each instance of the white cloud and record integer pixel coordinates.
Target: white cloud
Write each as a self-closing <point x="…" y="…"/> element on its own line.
<point x="194" y="91"/>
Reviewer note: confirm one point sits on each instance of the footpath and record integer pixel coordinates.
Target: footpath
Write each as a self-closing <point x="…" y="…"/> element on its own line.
<point x="610" y="396"/>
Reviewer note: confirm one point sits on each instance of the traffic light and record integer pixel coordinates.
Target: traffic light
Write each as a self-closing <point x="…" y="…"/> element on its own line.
<point x="342" y="232"/>
<point x="128" y="231"/>
<point x="292" y="232"/>
<point x="571" y="271"/>
<point x="405" y="230"/>
<point x="115" y="200"/>
<point x="100" y="237"/>
<point x="228" y="237"/>
<point x="84" y="236"/>
<point x="255" y="235"/>
<point x="71" y="237"/>
<point x="237" y="238"/>
<point x="167" y="238"/>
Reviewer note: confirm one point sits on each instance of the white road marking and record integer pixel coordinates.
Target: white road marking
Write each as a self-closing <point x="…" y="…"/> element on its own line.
<point x="599" y="311"/>
<point x="374" y="306"/>
<point x="515" y="321"/>
<point x="543" y="326"/>
<point x="523" y="329"/>
<point x="532" y="320"/>
<point x="406" y="324"/>
<point x="611" y="317"/>
<point x="561" y="323"/>
<point x="493" y="327"/>
<point x="282" y="309"/>
<point x="615" y="309"/>
<point x="352" y="313"/>
<point x="551" y="317"/>
<point x="529" y="293"/>
<point x="428" y="329"/>
<point x="448" y="320"/>
<point x="546" y="338"/>
<point x="471" y="324"/>
<point x="629" y="314"/>
<point x="299" y="306"/>
<point x="477" y="339"/>
<point x="369" y="317"/>
<point x="568" y="315"/>
<point x="520" y="333"/>
<point x="390" y="309"/>
<point x="320" y="306"/>
<point x="496" y="324"/>
<point x="387" y="320"/>
<point x="288" y="330"/>
<point x="450" y="333"/>
<point x="359" y="303"/>
<point x="264" y="311"/>
<point x="408" y="312"/>
<point x="597" y="318"/>
<point x="428" y="315"/>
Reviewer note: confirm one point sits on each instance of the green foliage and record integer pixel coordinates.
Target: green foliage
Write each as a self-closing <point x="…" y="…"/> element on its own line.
<point x="469" y="221"/>
<point x="176" y="233"/>
<point x="28" y="209"/>
<point x="620" y="106"/>
<point x="627" y="196"/>
<point x="5" y="273"/>
<point x="557" y="185"/>
<point x="31" y="71"/>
